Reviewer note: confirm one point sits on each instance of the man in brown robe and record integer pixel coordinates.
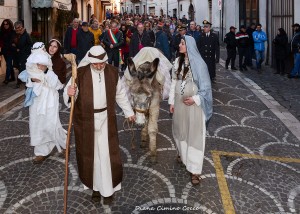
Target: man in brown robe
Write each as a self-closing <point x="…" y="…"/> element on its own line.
<point x="97" y="91"/>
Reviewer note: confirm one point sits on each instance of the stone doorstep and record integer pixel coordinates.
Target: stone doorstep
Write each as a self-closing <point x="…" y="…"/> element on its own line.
<point x="11" y="102"/>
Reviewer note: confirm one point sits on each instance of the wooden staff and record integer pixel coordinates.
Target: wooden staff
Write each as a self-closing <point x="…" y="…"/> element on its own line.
<point x="71" y="58"/>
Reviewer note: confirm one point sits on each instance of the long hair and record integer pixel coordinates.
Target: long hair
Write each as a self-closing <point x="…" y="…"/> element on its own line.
<point x="58" y="52"/>
<point x="10" y="24"/>
<point x="181" y="61"/>
<point x="282" y="32"/>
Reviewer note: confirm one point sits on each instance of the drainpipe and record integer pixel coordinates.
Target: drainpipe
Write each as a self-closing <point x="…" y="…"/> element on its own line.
<point x="267" y="32"/>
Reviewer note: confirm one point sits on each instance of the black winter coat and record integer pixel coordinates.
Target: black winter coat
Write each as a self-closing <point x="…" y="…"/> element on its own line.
<point x="230" y="40"/>
<point x="85" y="41"/>
<point x="107" y="42"/>
<point x="6" y="40"/>
<point x="295" y="43"/>
<point x="280" y="46"/>
<point x="135" y="40"/>
<point x="23" y="44"/>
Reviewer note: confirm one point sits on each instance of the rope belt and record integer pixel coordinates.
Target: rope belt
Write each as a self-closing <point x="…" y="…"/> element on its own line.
<point x="100" y="110"/>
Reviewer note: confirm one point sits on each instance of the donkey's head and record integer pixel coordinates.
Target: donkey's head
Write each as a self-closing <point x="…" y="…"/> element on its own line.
<point x="141" y="89"/>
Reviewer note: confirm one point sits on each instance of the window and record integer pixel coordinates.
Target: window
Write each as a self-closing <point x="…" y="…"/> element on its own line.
<point x="174" y="12"/>
<point x="1" y="2"/>
<point x="181" y="7"/>
<point x="249" y="12"/>
<point x="137" y="9"/>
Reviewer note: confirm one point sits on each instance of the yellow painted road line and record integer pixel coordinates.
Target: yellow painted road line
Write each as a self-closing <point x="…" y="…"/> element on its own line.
<point x="225" y="194"/>
<point x="223" y="186"/>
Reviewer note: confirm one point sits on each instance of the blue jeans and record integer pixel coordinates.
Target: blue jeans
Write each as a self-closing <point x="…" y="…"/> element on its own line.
<point x="260" y="57"/>
<point x="9" y="67"/>
<point x="296" y="69"/>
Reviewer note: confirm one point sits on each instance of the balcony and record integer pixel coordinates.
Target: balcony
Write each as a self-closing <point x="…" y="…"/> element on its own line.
<point x="136" y="1"/>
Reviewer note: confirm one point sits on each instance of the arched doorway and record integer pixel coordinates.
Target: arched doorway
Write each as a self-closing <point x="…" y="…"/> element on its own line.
<point x="191" y="13"/>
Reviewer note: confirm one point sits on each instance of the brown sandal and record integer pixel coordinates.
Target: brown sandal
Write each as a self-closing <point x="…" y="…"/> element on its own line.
<point x="195" y="179"/>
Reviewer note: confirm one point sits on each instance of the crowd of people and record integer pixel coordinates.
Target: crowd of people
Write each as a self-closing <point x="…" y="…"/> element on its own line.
<point x="250" y="43"/>
<point x="102" y="51"/>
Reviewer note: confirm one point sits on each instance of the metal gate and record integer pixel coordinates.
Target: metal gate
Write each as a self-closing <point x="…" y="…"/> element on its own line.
<point x="282" y="16"/>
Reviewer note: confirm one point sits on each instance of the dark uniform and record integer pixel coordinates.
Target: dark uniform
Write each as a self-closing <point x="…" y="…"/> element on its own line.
<point x="231" y="48"/>
<point x="209" y="49"/>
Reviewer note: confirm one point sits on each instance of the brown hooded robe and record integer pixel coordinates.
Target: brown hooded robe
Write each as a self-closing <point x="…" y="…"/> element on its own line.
<point x="84" y="125"/>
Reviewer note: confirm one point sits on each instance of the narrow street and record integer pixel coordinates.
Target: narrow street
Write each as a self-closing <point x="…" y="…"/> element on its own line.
<point x="252" y="163"/>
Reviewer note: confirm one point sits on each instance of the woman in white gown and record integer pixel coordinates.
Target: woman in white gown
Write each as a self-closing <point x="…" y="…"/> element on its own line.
<point x="190" y="102"/>
<point x="46" y="131"/>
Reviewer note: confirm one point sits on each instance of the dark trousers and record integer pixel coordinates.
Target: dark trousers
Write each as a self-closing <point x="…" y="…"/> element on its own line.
<point x="9" y="67"/>
<point x="231" y="55"/>
<point x="280" y="65"/>
<point x="126" y="56"/>
<point x="113" y="56"/>
<point x="250" y="56"/>
<point x="243" y="56"/>
<point x="21" y="65"/>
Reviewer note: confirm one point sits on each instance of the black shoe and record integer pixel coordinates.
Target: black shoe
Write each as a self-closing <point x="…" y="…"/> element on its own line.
<point x="234" y="68"/>
<point x="245" y="68"/>
<point x="291" y="77"/>
<point x="96" y="197"/>
<point x="282" y="73"/>
<point x="107" y="200"/>
<point x="5" y="82"/>
<point x="277" y="72"/>
<point x="241" y="69"/>
<point x="12" y="80"/>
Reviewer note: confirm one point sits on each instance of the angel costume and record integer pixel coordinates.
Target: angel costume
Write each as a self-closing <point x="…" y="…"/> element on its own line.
<point x="46" y="131"/>
<point x="189" y="122"/>
<point x="96" y="136"/>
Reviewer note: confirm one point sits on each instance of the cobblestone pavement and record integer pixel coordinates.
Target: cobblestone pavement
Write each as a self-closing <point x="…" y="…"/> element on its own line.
<point x="284" y="90"/>
<point x="251" y="165"/>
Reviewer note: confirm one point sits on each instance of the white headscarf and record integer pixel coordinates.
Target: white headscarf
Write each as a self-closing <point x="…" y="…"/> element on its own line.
<point x="95" y="55"/>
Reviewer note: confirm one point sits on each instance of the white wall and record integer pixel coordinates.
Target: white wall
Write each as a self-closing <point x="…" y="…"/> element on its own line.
<point x="27" y="16"/>
<point x="9" y="11"/>
<point x="201" y="11"/>
<point x="296" y="11"/>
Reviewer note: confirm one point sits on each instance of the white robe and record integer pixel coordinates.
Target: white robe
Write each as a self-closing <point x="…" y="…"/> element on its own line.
<point x="102" y="167"/>
<point x="191" y="123"/>
<point x="46" y="130"/>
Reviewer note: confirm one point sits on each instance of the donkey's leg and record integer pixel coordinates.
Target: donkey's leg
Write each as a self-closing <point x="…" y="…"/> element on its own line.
<point x="152" y="131"/>
<point x="144" y="136"/>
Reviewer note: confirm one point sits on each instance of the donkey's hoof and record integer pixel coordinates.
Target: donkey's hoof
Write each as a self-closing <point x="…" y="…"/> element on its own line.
<point x="143" y="144"/>
<point x="153" y="159"/>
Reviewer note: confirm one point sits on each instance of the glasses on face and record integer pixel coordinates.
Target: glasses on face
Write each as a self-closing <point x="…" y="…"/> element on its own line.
<point x="205" y="26"/>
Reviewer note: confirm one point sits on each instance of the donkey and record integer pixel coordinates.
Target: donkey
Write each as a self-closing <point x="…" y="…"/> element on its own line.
<point x="146" y="96"/>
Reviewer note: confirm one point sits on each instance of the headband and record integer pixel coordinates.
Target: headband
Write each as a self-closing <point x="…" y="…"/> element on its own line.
<point x="55" y="41"/>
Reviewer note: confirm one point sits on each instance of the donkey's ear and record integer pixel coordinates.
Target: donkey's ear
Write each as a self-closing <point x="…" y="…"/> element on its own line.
<point x="131" y="67"/>
<point x="153" y="68"/>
